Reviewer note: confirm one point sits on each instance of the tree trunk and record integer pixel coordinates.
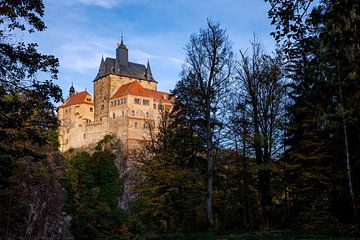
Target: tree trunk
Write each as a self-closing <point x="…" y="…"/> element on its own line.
<point x="210" y="176"/>
<point x="348" y="166"/>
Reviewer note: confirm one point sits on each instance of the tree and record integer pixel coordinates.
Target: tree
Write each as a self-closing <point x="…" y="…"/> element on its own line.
<point x="167" y="177"/>
<point x="94" y="187"/>
<point x="259" y="114"/>
<point x="205" y="79"/>
<point x="28" y="121"/>
<point x="320" y="41"/>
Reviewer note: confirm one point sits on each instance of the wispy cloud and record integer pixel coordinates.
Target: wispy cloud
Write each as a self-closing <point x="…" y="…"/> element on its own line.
<point x="84" y="55"/>
<point x="142" y="57"/>
<point x="110" y="3"/>
<point x="101" y="3"/>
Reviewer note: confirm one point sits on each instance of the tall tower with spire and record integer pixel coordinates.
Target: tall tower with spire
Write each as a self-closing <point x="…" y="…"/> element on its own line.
<point x="115" y="72"/>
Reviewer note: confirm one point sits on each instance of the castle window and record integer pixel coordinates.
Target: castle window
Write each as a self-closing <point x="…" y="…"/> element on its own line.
<point x="88" y="99"/>
<point x="161" y="107"/>
<point x="112" y="103"/>
<point x="135" y="124"/>
<point x="145" y="126"/>
<point x="100" y="119"/>
<point x="91" y="110"/>
<point x="123" y="114"/>
<point x="84" y="136"/>
<point x="124" y="100"/>
<point x="132" y="112"/>
<point x="154" y="105"/>
<point x="146" y="114"/>
<point x="119" y="102"/>
<point x="146" y="102"/>
<point x="137" y="101"/>
<point x="102" y="106"/>
<point x="113" y="115"/>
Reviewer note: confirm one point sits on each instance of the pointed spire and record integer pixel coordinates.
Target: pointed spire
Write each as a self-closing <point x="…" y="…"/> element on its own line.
<point x="121" y="44"/>
<point x="148" y="74"/>
<point x="102" y="66"/>
<point x="72" y="90"/>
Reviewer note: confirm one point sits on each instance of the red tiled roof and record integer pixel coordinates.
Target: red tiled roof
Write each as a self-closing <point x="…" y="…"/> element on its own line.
<point x="76" y="99"/>
<point x="134" y="88"/>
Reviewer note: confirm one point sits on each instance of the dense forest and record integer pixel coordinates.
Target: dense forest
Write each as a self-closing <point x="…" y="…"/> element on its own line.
<point x="255" y="142"/>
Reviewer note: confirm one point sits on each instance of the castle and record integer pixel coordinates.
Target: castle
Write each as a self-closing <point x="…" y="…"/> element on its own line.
<point x="125" y="104"/>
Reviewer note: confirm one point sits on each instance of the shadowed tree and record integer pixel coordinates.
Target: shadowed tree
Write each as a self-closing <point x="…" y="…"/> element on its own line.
<point x="260" y="106"/>
<point x="321" y="40"/>
<point x="205" y="80"/>
<point x="27" y="114"/>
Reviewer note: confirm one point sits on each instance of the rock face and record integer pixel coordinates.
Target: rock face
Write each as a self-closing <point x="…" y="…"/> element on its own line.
<point x="44" y="196"/>
<point x="46" y="220"/>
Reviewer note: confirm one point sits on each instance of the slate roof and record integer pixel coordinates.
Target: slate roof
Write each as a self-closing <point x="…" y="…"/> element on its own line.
<point x="134" y="88"/>
<point x="77" y="98"/>
<point x="133" y="70"/>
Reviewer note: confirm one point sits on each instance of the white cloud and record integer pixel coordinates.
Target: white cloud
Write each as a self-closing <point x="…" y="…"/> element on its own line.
<point x="101" y="3"/>
<point x="110" y="3"/>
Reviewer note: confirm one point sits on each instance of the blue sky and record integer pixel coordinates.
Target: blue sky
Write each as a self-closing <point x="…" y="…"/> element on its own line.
<point x="80" y="31"/>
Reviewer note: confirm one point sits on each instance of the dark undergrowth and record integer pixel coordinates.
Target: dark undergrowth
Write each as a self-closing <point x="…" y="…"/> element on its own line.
<point x="250" y="236"/>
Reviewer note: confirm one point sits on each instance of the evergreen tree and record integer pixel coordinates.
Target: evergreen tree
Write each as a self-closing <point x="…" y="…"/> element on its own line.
<point x="320" y="40"/>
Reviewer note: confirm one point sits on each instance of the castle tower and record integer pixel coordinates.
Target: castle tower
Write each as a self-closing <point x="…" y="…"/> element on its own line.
<point x="115" y="72"/>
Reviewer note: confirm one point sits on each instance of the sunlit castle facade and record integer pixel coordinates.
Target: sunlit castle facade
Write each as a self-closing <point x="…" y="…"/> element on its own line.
<point x="125" y="102"/>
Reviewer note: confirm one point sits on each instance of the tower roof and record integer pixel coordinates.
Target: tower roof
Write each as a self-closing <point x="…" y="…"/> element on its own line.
<point x="133" y="70"/>
<point x="122" y="67"/>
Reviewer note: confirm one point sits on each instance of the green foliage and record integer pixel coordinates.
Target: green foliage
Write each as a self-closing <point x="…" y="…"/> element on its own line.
<point x="27" y="113"/>
<point x="101" y="144"/>
<point x="319" y="39"/>
<point x="168" y="180"/>
<point x="94" y="188"/>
